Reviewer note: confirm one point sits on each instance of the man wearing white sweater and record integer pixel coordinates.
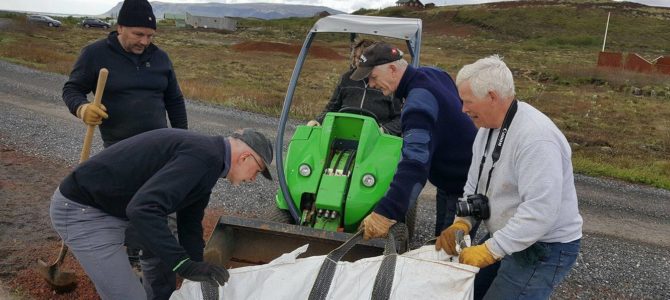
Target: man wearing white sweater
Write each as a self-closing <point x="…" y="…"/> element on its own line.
<point x="522" y="169"/>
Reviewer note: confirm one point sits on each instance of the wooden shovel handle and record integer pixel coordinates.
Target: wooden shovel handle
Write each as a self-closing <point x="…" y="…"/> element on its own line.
<point x="86" y="150"/>
<point x="61" y="254"/>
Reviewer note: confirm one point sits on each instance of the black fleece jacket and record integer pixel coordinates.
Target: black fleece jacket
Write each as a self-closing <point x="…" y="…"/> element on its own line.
<point x="147" y="177"/>
<point x="352" y="93"/>
<point x="140" y="89"/>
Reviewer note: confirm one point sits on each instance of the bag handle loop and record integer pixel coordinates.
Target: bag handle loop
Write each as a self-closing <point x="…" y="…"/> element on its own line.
<point x="383" y="281"/>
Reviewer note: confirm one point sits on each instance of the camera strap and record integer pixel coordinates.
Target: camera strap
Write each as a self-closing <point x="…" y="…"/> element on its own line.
<point x="511" y="111"/>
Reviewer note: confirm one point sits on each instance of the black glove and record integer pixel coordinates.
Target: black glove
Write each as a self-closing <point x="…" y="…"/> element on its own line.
<point x="202" y="271"/>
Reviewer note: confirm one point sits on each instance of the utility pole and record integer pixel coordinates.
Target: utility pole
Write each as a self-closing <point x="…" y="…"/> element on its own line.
<point x="606" y="27"/>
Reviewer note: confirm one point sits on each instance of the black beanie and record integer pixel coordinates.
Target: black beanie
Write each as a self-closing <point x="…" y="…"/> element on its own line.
<point x="137" y="13"/>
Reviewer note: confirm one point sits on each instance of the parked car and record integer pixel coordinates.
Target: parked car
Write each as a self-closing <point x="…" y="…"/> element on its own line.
<point x="46" y="20"/>
<point x="90" y="22"/>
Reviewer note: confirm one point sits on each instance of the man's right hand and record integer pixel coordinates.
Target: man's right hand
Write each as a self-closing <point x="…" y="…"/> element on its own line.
<point x="376" y="226"/>
<point x="447" y="240"/>
<point x="202" y="271"/>
<point x="313" y="123"/>
<point x="91" y="114"/>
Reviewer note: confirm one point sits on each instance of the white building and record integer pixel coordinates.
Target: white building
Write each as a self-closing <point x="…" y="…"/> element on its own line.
<point x="225" y="23"/>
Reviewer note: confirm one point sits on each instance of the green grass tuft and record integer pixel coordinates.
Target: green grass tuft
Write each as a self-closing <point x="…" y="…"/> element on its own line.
<point x="657" y="174"/>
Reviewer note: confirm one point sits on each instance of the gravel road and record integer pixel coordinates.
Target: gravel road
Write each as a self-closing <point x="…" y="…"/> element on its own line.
<point x="625" y="253"/>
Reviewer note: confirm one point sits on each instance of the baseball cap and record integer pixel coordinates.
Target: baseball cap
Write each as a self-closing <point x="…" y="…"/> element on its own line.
<point x="378" y="54"/>
<point x="260" y="144"/>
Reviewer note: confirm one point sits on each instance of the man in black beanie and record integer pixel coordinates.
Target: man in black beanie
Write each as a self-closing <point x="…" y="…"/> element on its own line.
<point x="142" y="86"/>
<point x="137" y="13"/>
<point x="141" y="90"/>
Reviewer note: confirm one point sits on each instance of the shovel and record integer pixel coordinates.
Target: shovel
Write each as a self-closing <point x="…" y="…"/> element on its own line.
<point x="63" y="281"/>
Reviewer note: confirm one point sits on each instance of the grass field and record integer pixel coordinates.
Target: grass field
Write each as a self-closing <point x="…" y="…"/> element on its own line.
<point x="551" y="46"/>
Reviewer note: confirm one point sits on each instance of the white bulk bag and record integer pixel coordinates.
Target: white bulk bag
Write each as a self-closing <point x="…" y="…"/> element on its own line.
<point x="418" y="274"/>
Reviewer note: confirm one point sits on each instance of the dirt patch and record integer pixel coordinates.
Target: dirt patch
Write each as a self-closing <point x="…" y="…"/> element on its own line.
<point x="210" y="221"/>
<point x="26" y="186"/>
<point x="294" y="49"/>
<point x="26" y="234"/>
<point x="443" y="24"/>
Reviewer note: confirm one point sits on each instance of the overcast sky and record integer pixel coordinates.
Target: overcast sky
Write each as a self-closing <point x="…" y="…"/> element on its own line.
<point x="96" y="7"/>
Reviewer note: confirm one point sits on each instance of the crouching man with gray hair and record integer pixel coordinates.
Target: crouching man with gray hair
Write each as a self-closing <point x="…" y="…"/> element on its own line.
<point x="140" y="181"/>
<point x="522" y="169"/>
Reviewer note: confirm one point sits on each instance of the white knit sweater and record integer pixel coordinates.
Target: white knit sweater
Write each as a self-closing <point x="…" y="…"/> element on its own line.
<point x="532" y="192"/>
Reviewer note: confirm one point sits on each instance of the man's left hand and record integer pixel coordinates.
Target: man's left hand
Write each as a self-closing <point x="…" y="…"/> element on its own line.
<point x="478" y="256"/>
<point x="203" y="271"/>
<point x="376" y="226"/>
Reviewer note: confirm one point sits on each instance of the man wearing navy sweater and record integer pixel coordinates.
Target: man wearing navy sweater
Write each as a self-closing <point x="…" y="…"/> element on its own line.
<point x="140" y="181"/>
<point x="437" y="137"/>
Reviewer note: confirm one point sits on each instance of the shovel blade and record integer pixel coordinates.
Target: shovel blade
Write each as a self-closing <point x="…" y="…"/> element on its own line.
<point x="60" y="281"/>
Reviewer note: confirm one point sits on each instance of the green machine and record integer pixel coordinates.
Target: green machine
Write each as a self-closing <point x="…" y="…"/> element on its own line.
<point x="336" y="173"/>
<point x="333" y="174"/>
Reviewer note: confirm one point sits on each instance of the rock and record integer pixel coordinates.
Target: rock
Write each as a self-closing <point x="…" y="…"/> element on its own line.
<point x="636" y="91"/>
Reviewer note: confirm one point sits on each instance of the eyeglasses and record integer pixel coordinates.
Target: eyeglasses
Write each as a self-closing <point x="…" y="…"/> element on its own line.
<point x="260" y="168"/>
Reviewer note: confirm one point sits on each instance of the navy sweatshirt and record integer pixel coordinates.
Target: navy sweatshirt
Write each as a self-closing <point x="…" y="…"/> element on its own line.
<point x="437" y="140"/>
<point x="140" y="89"/>
<point x="149" y="176"/>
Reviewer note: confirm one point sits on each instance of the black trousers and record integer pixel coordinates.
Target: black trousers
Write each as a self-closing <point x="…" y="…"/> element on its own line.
<point x="158" y="279"/>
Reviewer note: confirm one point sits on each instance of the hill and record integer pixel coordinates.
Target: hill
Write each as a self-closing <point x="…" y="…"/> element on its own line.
<point x="553" y="23"/>
<point x="243" y="10"/>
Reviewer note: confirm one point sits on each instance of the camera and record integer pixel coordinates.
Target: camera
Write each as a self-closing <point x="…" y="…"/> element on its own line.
<point x="476" y="206"/>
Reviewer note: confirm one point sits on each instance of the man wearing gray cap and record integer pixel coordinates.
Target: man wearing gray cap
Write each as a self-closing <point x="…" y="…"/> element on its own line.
<point x="437" y="137"/>
<point x="140" y="181"/>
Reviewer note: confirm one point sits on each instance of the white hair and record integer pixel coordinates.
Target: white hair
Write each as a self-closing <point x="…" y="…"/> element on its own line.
<point x="399" y="63"/>
<point x="487" y="74"/>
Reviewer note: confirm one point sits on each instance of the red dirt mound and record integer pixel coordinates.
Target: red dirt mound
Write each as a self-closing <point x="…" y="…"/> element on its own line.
<point x="314" y="51"/>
